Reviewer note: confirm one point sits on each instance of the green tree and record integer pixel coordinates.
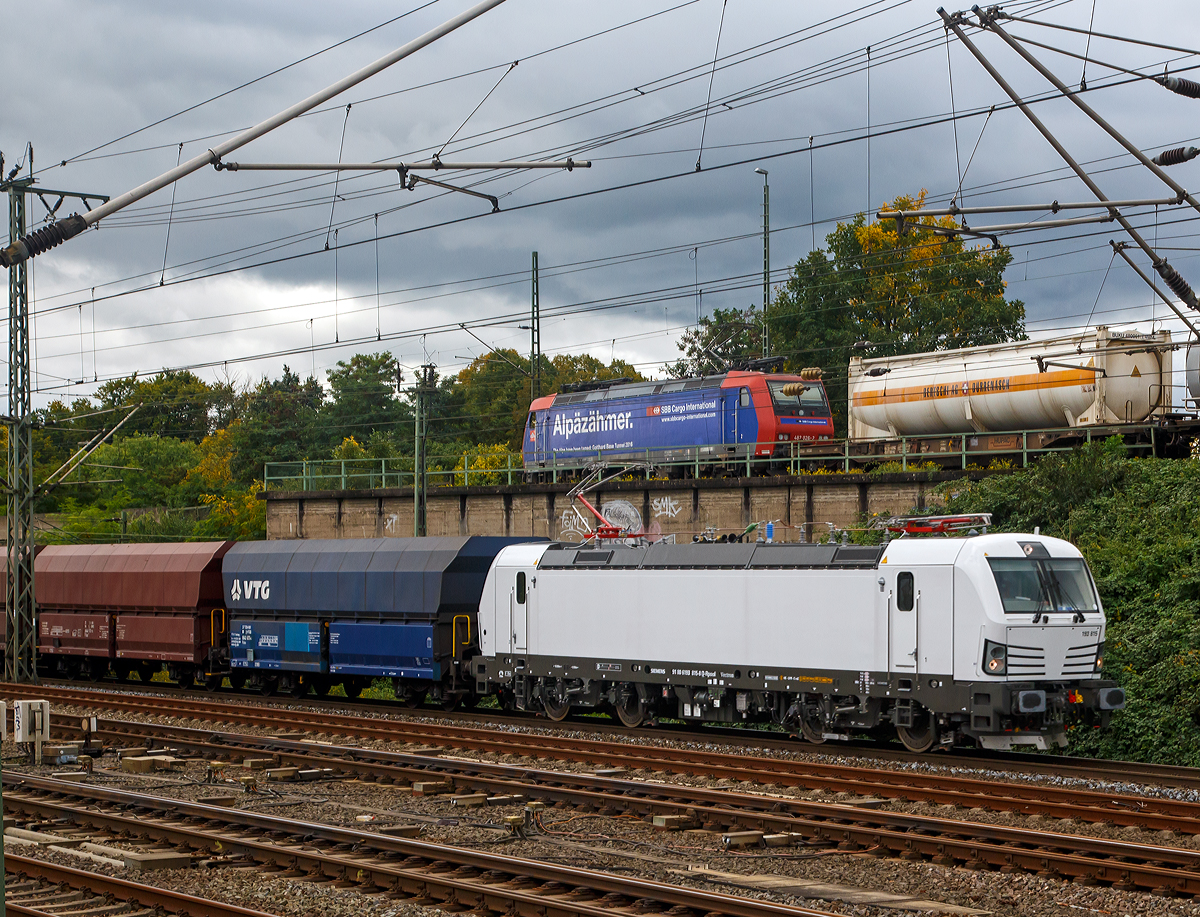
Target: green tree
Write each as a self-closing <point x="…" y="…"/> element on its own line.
<point x="727" y="336"/>
<point x="908" y="290"/>
<point x="363" y="398"/>
<point x="174" y="403"/>
<point x="280" y="423"/>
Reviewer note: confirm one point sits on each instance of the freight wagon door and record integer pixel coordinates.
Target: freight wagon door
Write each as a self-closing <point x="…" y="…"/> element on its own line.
<point x="902" y="620"/>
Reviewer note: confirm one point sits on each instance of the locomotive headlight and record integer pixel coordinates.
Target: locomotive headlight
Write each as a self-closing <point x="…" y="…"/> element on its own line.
<point x="1100" y="657"/>
<point x="995" y="658"/>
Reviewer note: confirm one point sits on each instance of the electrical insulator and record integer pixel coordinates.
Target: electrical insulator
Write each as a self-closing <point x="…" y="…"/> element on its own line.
<point x="1176" y="282"/>
<point x="1189" y="88"/>
<point x="811" y="373"/>
<point x="1176" y="156"/>
<point x="794" y="389"/>
<point x="43" y="240"/>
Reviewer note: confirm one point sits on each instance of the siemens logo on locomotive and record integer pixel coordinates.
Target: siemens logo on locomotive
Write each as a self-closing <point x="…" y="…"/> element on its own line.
<point x="250" y="589"/>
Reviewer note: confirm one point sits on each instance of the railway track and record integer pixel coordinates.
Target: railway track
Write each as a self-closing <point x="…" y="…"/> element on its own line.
<point x="850" y="827"/>
<point x="370" y="859"/>
<point x="36" y="888"/>
<point x="451" y="878"/>
<point x="1028" y="763"/>
<point x="970" y="792"/>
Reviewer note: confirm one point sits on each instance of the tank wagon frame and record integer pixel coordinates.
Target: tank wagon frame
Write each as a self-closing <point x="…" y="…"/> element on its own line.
<point x="1008" y="400"/>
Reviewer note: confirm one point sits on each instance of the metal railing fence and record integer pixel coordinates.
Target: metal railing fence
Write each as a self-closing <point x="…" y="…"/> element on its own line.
<point x="903" y="453"/>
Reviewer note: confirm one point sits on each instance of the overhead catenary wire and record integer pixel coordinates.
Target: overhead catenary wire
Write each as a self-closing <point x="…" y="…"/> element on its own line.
<point x="711" y="76"/>
<point x="167" y="241"/>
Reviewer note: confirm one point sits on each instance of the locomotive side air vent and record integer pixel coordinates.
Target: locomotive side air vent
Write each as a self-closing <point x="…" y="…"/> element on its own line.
<point x="858" y="555"/>
<point x="794" y="555"/>
<point x="593" y="557"/>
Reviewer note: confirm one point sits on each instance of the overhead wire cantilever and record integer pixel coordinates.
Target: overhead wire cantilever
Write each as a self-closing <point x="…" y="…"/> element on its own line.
<point x="1171" y="276"/>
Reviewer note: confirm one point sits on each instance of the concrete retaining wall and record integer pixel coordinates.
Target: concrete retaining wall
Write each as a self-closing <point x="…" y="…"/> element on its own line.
<point x="680" y="508"/>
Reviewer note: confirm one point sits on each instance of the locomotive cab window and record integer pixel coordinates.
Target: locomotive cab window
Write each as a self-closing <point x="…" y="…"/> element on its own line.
<point x="904" y="592"/>
<point x="807" y="402"/>
<point x="1031" y="584"/>
<point x="745" y="397"/>
<point x="521" y="588"/>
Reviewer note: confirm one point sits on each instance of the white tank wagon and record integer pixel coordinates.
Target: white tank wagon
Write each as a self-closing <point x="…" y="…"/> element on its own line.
<point x="995" y="639"/>
<point x="1101" y="377"/>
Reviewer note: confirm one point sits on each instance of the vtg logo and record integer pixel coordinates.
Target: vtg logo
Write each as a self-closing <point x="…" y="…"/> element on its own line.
<point x="250" y="589"/>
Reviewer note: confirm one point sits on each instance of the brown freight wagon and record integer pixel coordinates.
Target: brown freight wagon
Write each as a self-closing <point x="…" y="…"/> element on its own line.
<point x="131" y="607"/>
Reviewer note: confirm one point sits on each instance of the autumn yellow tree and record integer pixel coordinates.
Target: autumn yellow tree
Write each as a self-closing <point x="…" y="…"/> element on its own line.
<point x="904" y="288"/>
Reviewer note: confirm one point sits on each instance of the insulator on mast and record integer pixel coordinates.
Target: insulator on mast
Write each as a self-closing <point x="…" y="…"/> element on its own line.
<point x="42" y="240"/>
<point x="1180" y="86"/>
<point x="1176" y="156"/>
<point x="1175" y="281"/>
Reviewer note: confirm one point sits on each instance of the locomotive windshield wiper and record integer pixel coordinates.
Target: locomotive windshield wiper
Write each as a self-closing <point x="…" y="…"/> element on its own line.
<point x="1044" y="597"/>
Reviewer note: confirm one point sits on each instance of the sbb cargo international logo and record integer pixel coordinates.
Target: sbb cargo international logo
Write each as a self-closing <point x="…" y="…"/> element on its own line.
<point x="654" y="411"/>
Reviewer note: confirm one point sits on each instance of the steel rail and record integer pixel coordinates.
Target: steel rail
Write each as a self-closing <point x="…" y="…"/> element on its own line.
<point x="450" y="876"/>
<point x="715" y="808"/>
<point x="453" y="878"/>
<point x="102" y="885"/>
<point x="1059" y="802"/>
<point x="1167" y="775"/>
<point x="499" y="779"/>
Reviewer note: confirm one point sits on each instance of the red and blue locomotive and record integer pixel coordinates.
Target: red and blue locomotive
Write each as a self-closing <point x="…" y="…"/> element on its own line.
<point x="715" y="418"/>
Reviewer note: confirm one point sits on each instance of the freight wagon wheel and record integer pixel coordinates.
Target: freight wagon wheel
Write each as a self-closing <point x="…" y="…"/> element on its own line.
<point x="299" y="686"/>
<point x="94" y="669"/>
<point x="123" y="670"/>
<point x="267" y="686"/>
<point x="414" y="698"/>
<point x="238" y="680"/>
<point x="921" y="734"/>
<point x="147" y="670"/>
<point x="212" y="683"/>
<point x="630" y="709"/>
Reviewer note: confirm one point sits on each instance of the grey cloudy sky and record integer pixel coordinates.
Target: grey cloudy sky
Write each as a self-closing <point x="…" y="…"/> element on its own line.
<point x="623" y="83"/>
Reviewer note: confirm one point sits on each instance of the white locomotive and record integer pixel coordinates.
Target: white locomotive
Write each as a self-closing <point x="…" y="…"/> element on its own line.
<point x="995" y="639"/>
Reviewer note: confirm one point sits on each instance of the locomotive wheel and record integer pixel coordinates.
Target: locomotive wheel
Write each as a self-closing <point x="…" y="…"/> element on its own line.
<point x="811" y="730"/>
<point x="920" y="736"/>
<point x="556" y="712"/>
<point x="451" y="701"/>
<point x="631" y="711"/>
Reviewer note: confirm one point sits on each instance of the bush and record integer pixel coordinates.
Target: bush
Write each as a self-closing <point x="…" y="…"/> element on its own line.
<point x="1137" y="521"/>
